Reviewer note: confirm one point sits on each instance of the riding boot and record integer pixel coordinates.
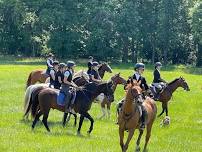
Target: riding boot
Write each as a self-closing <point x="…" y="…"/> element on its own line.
<point x="143" y="118"/>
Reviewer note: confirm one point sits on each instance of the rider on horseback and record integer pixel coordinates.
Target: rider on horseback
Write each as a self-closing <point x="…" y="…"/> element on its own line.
<point x="67" y="83"/>
<point x="49" y="62"/>
<point x="59" y="75"/>
<point x="53" y="72"/>
<point x="94" y="74"/>
<point x="139" y="69"/>
<point x="158" y="82"/>
<point x="90" y="64"/>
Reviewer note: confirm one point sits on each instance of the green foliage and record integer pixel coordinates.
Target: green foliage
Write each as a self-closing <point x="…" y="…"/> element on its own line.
<point x="150" y="30"/>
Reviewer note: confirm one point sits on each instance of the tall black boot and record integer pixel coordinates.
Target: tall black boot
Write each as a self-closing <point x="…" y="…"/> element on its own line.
<point x="143" y="118"/>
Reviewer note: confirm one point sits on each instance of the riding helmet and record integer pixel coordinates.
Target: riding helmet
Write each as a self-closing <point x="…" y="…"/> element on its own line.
<point x="70" y="63"/>
<point x="55" y="63"/>
<point x="62" y="65"/>
<point x="139" y="65"/>
<point x="90" y="58"/>
<point x="50" y="55"/>
<point x="95" y="63"/>
<point x="158" y="64"/>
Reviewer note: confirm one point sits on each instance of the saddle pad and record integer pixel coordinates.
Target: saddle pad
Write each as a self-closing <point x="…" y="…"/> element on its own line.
<point x="60" y="99"/>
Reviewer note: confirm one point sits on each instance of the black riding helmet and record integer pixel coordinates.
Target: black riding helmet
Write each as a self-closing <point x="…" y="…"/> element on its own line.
<point x="55" y="63"/>
<point x="90" y="58"/>
<point x="62" y="65"/>
<point x="158" y="64"/>
<point x="139" y="65"/>
<point x="70" y="64"/>
<point x="95" y="63"/>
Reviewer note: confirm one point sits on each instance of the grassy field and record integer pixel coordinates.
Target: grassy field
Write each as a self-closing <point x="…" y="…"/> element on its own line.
<point x="183" y="135"/>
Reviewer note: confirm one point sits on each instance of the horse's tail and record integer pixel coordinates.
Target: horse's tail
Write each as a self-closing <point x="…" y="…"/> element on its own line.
<point x="27" y="100"/>
<point x="29" y="80"/>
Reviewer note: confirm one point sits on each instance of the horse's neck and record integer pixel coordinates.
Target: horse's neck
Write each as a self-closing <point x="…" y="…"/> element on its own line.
<point x="173" y="87"/>
<point x="114" y="87"/>
<point x="129" y="105"/>
<point x="101" y="72"/>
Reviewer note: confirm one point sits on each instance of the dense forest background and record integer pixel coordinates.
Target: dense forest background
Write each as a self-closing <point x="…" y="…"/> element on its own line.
<point x="115" y="30"/>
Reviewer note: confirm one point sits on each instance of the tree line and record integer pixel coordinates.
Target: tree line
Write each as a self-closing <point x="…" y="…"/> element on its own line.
<point x="114" y="30"/>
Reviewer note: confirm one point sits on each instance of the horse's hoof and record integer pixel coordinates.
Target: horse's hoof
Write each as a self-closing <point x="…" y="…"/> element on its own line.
<point x="138" y="149"/>
<point x="78" y="133"/>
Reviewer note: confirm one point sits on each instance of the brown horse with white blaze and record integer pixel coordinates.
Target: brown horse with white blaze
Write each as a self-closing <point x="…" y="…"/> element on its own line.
<point x="129" y="117"/>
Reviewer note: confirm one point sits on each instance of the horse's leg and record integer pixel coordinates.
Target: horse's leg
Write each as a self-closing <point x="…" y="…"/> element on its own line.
<point x="75" y="119"/>
<point x="45" y="118"/>
<point x="87" y="115"/>
<point x="121" y="136"/>
<point x="80" y="124"/>
<point x="108" y="109"/>
<point x="166" y="108"/>
<point x="65" y="118"/>
<point x="148" y="134"/>
<point x="130" y="135"/>
<point x="36" y="119"/>
<point x="138" y="140"/>
<point x="103" y="110"/>
<point x="163" y="109"/>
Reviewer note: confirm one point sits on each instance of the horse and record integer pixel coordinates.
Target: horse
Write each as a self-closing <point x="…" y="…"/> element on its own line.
<point x="129" y="116"/>
<point x="116" y="79"/>
<point x="166" y="94"/>
<point x="41" y="76"/>
<point x="27" y="97"/>
<point x="36" y="76"/>
<point x="104" y="67"/>
<point x="45" y="99"/>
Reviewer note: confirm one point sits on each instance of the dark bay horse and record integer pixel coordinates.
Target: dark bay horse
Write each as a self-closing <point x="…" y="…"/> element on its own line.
<point x="166" y="94"/>
<point x="129" y="116"/>
<point x="45" y="99"/>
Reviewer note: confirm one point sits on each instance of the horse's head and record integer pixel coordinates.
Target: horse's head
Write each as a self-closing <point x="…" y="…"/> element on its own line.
<point x="117" y="79"/>
<point x="134" y="92"/>
<point x="105" y="67"/>
<point x="183" y="84"/>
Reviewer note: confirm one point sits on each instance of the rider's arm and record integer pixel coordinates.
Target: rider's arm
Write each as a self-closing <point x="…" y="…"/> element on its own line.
<point x="60" y="79"/>
<point x="52" y="73"/>
<point x="49" y="64"/>
<point x="66" y="81"/>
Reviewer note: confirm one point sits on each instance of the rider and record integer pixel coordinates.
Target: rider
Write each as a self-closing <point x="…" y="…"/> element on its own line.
<point x="158" y="82"/>
<point x="90" y="64"/>
<point x="53" y="72"/>
<point x="139" y="70"/>
<point x="67" y="83"/>
<point x="59" y="75"/>
<point x="49" y="62"/>
<point x="94" y="74"/>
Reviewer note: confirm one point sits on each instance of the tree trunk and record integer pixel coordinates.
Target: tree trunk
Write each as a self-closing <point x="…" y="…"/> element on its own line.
<point x="199" y="55"/>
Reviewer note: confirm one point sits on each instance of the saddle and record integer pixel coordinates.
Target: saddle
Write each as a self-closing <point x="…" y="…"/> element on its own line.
<point x="61" y="97"/>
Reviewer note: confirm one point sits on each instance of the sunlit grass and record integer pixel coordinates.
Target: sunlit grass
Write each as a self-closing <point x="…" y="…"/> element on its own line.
<point x="184" y="133"/>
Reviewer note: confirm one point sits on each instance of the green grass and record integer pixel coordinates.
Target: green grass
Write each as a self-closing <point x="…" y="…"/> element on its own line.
<point x="184" y="133"/>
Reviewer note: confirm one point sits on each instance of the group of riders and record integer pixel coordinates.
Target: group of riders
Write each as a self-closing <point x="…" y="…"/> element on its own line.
<point x="61" y="77"/>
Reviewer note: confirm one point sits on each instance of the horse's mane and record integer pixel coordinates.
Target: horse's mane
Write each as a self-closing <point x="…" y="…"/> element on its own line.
<point x="173" y="81"/>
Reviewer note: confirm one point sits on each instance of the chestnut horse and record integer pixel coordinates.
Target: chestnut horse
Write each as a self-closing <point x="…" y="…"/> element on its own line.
<point x="116" y="79"/>
<point x="166" y="94"/>
<point x="129" y="117"/>
<point x="40" y="75"/>
<point x="45" y="99"/>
